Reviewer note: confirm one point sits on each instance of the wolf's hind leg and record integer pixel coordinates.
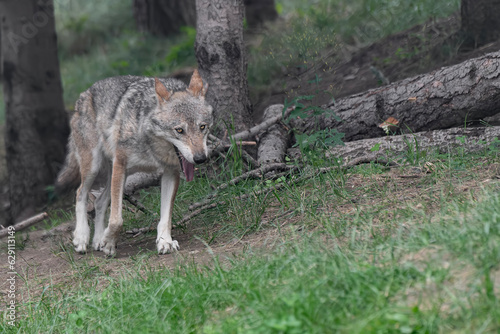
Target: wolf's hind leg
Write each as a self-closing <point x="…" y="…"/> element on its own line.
<point x="169" y="186"/>
<point x="81" y="236"/>
<point x="101" y="205"/>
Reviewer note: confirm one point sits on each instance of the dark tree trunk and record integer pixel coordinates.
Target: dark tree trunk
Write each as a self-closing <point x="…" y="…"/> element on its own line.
<point x="164" y="17"/>
<point x="1" y="63"/>
<point x="259" y="11"/>
<point x="36" y="122"/>
<point x="480" y="21"/>
<point x="222" y="60"/>
<point x="452" y="96"/>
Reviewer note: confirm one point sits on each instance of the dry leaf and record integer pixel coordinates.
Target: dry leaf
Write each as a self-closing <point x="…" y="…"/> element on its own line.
<point x="390" y="124"/>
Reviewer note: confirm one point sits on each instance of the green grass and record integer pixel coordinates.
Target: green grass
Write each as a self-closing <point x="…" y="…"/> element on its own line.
<point x="386" y="256"/>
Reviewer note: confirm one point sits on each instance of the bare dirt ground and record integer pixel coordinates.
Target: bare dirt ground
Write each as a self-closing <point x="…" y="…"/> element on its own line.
<point x="47" y="256"/>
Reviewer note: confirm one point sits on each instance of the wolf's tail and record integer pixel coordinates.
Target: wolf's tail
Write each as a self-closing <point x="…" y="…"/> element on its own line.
<point x="69" y="176"/>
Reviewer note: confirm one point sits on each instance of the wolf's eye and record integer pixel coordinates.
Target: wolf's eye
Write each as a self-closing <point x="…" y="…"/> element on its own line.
<point x="203" y="127"/>
<point x="179" y="130"/>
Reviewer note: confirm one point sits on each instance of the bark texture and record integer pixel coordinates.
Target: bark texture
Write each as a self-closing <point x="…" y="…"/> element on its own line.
<point x="260" y="11"/>
<point x="480" y="21"/>
<point x="164" y="17"/>
<point x="390" y="147"/>
<point x="221" y="56"/>
<point x="274" y="141"/>
<point x="36" y="122"/>
<point x="449" y="97"/>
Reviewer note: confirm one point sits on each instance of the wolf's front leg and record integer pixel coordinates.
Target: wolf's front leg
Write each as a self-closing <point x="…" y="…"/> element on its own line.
<point x="169" y="185"/>
<point x="110" y="237"/>
<point x="89" y="168"/>
<point x="81" y="234"/>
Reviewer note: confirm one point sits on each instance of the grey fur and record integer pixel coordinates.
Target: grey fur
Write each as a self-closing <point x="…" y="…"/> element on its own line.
<point x="129" y="124"/>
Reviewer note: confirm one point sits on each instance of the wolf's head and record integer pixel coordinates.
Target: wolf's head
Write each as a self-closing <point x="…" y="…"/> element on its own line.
<point x="184" y="118"/>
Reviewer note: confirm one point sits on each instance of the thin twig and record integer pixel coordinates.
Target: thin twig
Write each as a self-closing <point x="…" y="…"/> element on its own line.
<point x="221" y="144"/>
<point x="198" y="212"/>
<point x="249" y="159"/>
<point x="138" y="231"/>
<point x="261" y="127"/>
<point x="256" y="173"/>
<point x="24" y="224"/>
<point x="206" y="205"/>
<point x="137" y="204"/>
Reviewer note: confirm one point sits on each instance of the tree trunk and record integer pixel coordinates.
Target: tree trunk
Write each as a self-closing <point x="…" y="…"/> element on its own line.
<point x="451" y="96"/>
<point x="260" y="11"/>
<point x="480" y="22"/>
<point x="1" y="62"/>
<point x="222" y="61"/>
<point x="36" y="122"/>
<point x="164" y="17"/>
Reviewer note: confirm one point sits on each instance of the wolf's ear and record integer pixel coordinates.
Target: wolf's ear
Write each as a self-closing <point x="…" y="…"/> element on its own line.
<point x="196" y="86"/>
<point x="162" y="94"/>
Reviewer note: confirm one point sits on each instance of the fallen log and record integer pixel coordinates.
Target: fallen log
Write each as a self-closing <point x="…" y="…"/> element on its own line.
<point x="389" y="147"/>
<point x="449" y="97"/>
<point x="275" y="140"/>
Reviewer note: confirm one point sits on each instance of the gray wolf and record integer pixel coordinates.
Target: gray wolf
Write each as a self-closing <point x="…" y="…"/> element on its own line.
<point x="129" y="124"/>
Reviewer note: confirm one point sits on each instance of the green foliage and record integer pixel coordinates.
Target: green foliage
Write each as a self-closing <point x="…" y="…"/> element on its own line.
<point x="86" y="25"/>
<point x="180" y="52"/>
<point x="366" y="20"/>
<point x="98" y="39"/>
<point x="312" y="144"/>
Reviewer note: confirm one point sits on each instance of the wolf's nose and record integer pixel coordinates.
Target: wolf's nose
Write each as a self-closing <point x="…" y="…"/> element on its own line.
<point x="199" y="158"/>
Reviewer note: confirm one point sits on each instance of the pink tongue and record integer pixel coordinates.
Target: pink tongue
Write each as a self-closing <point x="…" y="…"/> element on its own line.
<point x="188" y="169"/>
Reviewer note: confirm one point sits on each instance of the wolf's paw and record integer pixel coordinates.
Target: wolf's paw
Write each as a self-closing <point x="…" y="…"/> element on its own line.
<point x="109" y="248"/>
<point x="80" y="241"/>
<point x="108" y="244"/>
<point x="80" y="247"/>
<point x="96" y="245"/>
<point x="164" y="246"/>
<point x="96" y="241"/>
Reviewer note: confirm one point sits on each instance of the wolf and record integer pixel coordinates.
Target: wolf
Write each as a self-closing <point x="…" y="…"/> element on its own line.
<point x="129" y="124"/>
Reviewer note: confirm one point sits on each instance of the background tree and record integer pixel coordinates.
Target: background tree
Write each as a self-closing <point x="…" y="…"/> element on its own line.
<point x="480" y="21"/>
<point x="259" y="11"/>
<point x="36" y="122"/>
<point x="221" y="56"/>
<point x="164" y="17"/>
<point x="1" y="56"/>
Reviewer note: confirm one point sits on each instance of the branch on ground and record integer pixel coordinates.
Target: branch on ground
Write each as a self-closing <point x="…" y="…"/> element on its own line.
<point x="24" y="224"/>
